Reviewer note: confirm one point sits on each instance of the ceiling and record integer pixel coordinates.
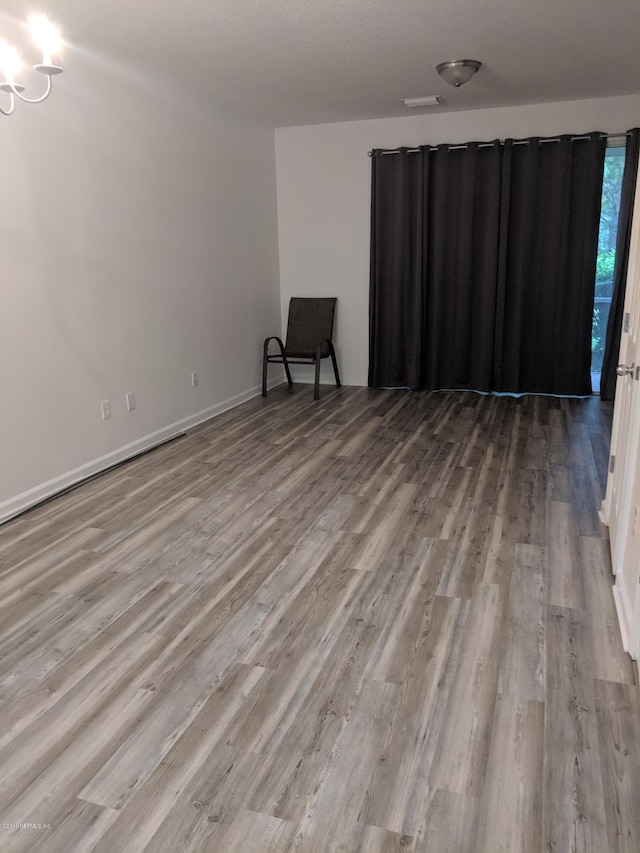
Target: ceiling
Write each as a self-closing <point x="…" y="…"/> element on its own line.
<point x="294" y="62"/>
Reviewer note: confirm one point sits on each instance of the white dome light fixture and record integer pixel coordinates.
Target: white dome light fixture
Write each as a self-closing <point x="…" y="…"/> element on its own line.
<point x="458" y="71"/>
<point x="47" y="38"/>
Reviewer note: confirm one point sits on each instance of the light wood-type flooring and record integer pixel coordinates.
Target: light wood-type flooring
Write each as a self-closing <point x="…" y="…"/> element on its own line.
<point x="379" y="622"/>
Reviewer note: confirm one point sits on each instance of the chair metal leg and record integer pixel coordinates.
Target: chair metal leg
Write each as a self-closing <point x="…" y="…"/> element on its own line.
<point x="265" y="364"/>
<point x="316" y="387"/>
<point x="286" y="369"/>
<point x="332" y="352"/>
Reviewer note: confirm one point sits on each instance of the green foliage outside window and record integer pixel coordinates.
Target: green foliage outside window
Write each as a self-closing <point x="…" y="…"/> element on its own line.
<point x="611" y="185"/>
<point x="604" y="272"/>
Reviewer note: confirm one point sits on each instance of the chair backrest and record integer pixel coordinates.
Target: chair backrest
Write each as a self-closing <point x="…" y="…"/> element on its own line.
<point x="310" y="322"/>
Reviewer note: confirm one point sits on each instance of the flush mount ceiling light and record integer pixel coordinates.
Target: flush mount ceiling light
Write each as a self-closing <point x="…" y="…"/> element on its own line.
<point x="47" y="38"/>
<point x="425" y="101"/>
<point x="458" y="71"/>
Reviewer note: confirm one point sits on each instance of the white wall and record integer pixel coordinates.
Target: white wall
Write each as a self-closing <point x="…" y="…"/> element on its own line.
<point x="323" y="174"/>
<point x="138" y="243"/>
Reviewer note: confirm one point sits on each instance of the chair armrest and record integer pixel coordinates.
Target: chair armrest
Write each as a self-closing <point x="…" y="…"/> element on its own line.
<point x="273" y="338"/>
<point x="329" y="344"/>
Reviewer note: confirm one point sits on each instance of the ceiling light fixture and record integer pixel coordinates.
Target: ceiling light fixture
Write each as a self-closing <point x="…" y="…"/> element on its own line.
<point x="458" y="71"/>
<point x="425" y="101"/>
<point x="47" y="38"/>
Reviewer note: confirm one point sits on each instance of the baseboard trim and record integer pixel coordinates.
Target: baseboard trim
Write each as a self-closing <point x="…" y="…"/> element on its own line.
<point x="15" y="506"/>
<point x="623" y="620"/>
<point x="603" y="513"/>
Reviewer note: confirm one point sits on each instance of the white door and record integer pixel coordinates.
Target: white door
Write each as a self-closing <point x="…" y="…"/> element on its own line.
<point x="621" y="509"/>
<point x="626" y="590"/>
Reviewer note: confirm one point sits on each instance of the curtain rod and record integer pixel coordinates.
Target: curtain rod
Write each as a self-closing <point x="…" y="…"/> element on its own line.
<point x="516" y="142"/>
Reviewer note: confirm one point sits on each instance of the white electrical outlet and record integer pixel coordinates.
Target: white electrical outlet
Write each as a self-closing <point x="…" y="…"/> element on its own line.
<point x="106" y="410"/>
<point x="194" y="380"/>
<point x="131" y="401"/>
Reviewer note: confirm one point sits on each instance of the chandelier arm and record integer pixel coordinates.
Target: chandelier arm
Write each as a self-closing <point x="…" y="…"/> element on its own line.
<point x="12" y="106"/>
<point x="15" y="92"/>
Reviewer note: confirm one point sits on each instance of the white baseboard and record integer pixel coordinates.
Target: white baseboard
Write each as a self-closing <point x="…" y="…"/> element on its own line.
<point x="14" y="506"/>
<point x="603" y="513"/>
<point x="623" y="619"/>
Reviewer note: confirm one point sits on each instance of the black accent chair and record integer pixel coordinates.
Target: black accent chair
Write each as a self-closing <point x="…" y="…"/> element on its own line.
<point x="309" y="331"/>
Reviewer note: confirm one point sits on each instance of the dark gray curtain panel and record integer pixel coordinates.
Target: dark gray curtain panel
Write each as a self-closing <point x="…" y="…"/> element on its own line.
<point x="398" y="304"/>
<point x="462" y="240"/>
<point x="483" y="265"/>
<point x="623" y="243"/>
<point x="434" y="248"/>
<point x="550" y="215"/>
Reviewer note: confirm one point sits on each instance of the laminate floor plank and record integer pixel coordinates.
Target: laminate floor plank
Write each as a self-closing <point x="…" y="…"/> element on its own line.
<point x="586" y="498"/>
<point x="523" y="664"/>
<point x="251" y="831"/>
<point x="423" y="664"/>
<point x="321" y="682"/>
<point x="24" y="575"/>
<point x="48" y="676"/>
<point x="408" y="627"/>
<point x="618" y="713"/>
<point x="39" y="743"/>
<point x="609" y="662"/>
<point x="565" y="581"/>
<point x="459" y="764"/>
<point x="450" y="824"/>
<point x="299" y="722"/>
<point x="466" y="560"/>
<point x="281" y="641"/>
<point x="510" y="808"/>
<point x="380" y="621"/>
<point x="198" y="810"/>
<point x="573" y="803"/>
<point x="80" y="829"/>
<point x="350" y="766"/>
<point x="501" y="556"/>
<point x="152" y="802"/>
<point x="533" y="510"/>
<point x="166" y="720"/>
